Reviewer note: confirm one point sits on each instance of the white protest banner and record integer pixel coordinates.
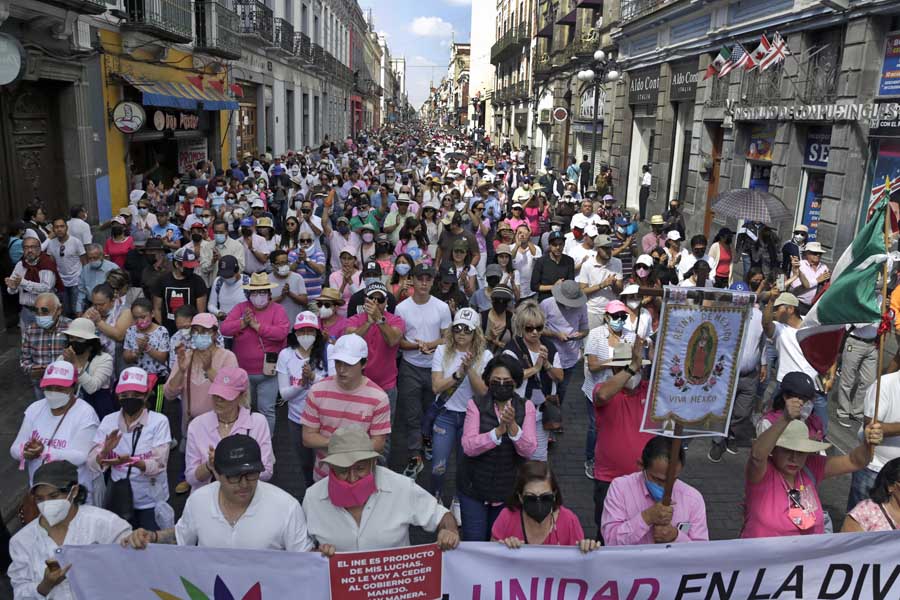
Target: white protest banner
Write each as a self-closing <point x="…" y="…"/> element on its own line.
<point x="859" y="566"/>
<point x="827" y="567"/>
<point x="696" y="367"/>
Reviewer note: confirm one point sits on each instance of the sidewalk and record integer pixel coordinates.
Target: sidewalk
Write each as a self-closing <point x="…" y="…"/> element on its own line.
<point x="17" y="396"/>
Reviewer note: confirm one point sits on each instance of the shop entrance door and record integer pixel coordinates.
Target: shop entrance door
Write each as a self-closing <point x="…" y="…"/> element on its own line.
<point x="716" y="134"/>
<point x="247" y="129"/>
<point x="31" y="154"/>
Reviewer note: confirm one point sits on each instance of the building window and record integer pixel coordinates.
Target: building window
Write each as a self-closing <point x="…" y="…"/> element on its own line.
<point x="819" y="72"/>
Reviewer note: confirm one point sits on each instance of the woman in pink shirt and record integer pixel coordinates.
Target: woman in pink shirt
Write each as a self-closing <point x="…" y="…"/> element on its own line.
<point x="784" y="472"/>
<point x="118" y="245"/>
<point x="230" y="415"/>
<point x="347" y="281"/>
<point x="517" y="217"/>
<point x="498" y="435"/>
<point x="535" y="514"/>
<point x="259" y="328"/>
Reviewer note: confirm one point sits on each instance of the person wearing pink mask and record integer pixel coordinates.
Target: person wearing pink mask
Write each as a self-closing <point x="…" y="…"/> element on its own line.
<point x="146" y="343"/>
<point x="356" y="485"/>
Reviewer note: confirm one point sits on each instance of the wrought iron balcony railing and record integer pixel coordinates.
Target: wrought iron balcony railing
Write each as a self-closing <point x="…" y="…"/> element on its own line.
<point x="718" y="92"/>
<point x="257" y="19"/>
<point x="762" y="88"/>
<point x="84" y="7"/>
<point x="317" y="56"/>
<point x="166" y="19"/>
<point x="284" y="36"/>
<point x="821" y="75"/>
<point x="218" y="29"/>
<point x="635" y="9"/>
<point x="302" y="46"/>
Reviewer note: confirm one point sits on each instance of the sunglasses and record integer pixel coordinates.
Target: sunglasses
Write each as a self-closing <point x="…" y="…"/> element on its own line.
<point x="617" y="316"/>
<point x="547" y="497"/>
<point x="305" y="211"/>
<point x="461" y="329"/>
<point x="378" y="299"/>
<point x="306" y="242"/>
<point x="534" y="328"/>
<point x="325" y="304"/>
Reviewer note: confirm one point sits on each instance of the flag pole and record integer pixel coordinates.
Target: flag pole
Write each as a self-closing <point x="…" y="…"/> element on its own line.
<point x="674" y="451"/>
<point x="884" y="298"/>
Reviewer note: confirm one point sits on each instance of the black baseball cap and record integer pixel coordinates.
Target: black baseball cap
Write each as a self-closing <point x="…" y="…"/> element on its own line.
<point x="422" y="269"/>
<point x="228" y="266"/>
<point x="555" y="235"/>
<point x="448" y="273"/>
<point x="798" y="384"/>
<point x="238" y="454"/>
<point x="372" y="268"/>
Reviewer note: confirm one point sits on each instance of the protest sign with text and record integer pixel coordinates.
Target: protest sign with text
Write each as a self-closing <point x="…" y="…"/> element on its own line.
<point x="400" y="574"/>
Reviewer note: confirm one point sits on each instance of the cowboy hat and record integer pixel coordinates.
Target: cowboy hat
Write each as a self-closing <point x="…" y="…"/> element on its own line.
<point x="258" y="282"/>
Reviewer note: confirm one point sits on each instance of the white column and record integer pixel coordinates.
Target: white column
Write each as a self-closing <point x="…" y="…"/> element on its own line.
<point x="279" y="112"/>
<point x="298" y="116"/>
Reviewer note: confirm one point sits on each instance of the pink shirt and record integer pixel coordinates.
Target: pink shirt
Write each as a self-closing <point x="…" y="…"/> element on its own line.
<point x="532" y="216"/>
<point x="566" y="531"/>
<point x="203" y="432"/>
<point x="514" y="223"/>
<point x="250" y="345"/>
<point x="197" y="400"/>
<point x="651" y="241"/>
<point x="336" y="280"/>
<point x="623" y="525"/>
<point x="870" y="516"/>
<point x="766" y="503"/>
<point x="619" y="439"/>
<point x="381" y="365"/>
<point x="475" y="443"/>
<point x="329" y="406"/>
<point x="116" y="251"/>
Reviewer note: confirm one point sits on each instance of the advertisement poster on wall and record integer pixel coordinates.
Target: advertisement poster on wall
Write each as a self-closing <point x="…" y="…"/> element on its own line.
<point x="812" y="202"/>
<point x="190" y="152"/>
<point x="890" y="68"/>
<point x="762" y="142"/>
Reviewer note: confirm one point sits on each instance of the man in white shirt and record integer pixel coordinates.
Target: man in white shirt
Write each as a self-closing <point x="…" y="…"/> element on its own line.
<point x="78" y="225"/>
<point x="69" y="254"/>
<point x="213" y="251"/>
<point x="751" y="370"/>
<point x="30" y="276"/>
<point x="646" y="183"/>
<point x="586" y="216"/>
<point x="688" y="260"/>
<point x="256" y="248"/>
<point x="781" y="320"/>
<point x="237" y="510"/>
<point x="368" y="507"/>
<point x="601" y="279"/>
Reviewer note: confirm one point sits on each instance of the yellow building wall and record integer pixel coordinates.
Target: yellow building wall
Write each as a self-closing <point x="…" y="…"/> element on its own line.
<point x="116" y="141"/>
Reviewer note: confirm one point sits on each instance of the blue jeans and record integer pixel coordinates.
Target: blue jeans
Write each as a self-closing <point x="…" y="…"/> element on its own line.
<point x="477" y="519"/>
<point x="263" y="394"/>
<point x="69" y="298"/>
<point x="446" y="438"/>
<point x="591" y="433"/>
<point x="26" y="317"/>
<point x="860" y="484"/>
<point x="820" y="409"/>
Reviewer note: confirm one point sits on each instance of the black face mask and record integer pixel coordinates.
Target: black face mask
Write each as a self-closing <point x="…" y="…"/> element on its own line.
<point x="196" y="237"/>
<point x="78" y="347"/>
<point x="493" y="281"/>
<point x="187" y="272"/>
<point x="538" y="507"/>
<point x="118" y="230"/>
<point x="382" y="248"/>
<point x="501" y="392"/>
<point x="500" y="306"/>
<point x="246" y="232"/>
<point x="699" y="252"/>
<point x="132" y="405"/>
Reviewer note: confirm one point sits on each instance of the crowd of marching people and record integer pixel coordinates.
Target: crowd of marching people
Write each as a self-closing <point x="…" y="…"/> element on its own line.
<point x="415" y="280"/>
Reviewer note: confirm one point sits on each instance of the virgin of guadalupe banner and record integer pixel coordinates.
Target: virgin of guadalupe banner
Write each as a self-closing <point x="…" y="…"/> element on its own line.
<point x="696" y="367"/>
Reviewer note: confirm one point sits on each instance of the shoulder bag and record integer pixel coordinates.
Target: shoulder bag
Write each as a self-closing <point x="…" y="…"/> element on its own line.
<point x="119" y="495"/>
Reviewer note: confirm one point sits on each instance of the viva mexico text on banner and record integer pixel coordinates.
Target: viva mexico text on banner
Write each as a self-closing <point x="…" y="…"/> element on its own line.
<point x="860" y="566"/>
<point x="696" y="367"/>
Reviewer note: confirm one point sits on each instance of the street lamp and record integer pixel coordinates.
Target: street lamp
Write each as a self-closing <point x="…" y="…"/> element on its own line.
<point x="600" y="73"/>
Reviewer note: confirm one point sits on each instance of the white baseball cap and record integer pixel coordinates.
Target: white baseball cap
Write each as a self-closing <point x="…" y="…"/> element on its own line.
<point x="350" y="348"/>
<point x="673" y="235"/>
<point x="644" y="259"/>
<point x="306" y="319"/>
<point x="468" y="317"/>
<point x="135" y="379"/>
<point x="61" y="373"/>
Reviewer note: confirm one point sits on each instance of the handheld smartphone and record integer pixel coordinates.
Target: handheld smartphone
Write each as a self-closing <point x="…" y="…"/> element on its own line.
<point x="780" y="282"/>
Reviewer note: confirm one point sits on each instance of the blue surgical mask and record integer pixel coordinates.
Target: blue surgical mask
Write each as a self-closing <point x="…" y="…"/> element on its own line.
<point x="44" y="321"/>
<point x="220" y="239"/>
<point x="617" y="325"/>
<point x="370" y="280"/>
<point x="96" y="264"/>
<point x="219" y="189"/>
<point x="202" y="341"/>
<point x="402" y="268"/>
<point x="198" y="210"/>
<point x="656" y="490"/>
<point x="229" y="201"/>
<point x="143" y="211"/>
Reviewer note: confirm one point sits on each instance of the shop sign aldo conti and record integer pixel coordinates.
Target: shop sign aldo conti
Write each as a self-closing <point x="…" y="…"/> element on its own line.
<point x="175" y="121"/>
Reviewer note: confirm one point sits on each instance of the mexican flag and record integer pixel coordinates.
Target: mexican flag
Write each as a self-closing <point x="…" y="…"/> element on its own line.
<point x="718" y="62"/>
<point x="852" y="297"/>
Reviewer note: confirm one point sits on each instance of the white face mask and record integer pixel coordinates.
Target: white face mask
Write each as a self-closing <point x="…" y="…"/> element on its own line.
<point x="633" y="381"/>
<point x="56" y="399"/>
<point x="806" y="410"/>
<point x="54" y="511"/>
<point x="306" y="341"/>
<point x="325" y="313"/>
<point x="633" y="304"/>
<point x="283" y="270"/>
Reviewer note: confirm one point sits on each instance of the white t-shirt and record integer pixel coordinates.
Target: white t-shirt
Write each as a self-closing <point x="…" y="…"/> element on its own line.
<point x="597" y="344"/>
<point x="646" y="324"/>
<point x="336" y="244"/>
<point x="68" y="262"/>
<point x="290" y="367"/>
<point x="423" y="322"/>
<point x="888" y="412"/>
<point x="148" y="491"/>
<point x="251" y="263"/>
<point x="689" y="283"/>
<point x="273" y="521"/>
<point x="72" y="441"/>
<point x="297" y="285"/>
<point x="578" y="253"/>
<point x="537" y="393"/>
<point x="687" y="262"/>
<point x="581" y="221"/>
<point x="460" y="398"/>
<point x="790" y="356"/>
<point x="524" y="264"/>
<point x="593" y="273"/>
<point x="224" y="297"/>
<point x="81" y="230"/>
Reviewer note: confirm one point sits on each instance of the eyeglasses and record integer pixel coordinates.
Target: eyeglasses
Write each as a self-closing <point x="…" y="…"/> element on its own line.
<point x="459" y="250"/>
<point x="305" y="242"/>
<point x="249" y="477"/>
<point x="617" y="316"/>
<point x="534" y="328"/>
<point x="700" y="249"/>
<point x="461" y="329"/>
<point x="43" y="310"/>
<point x="207" y="215"/>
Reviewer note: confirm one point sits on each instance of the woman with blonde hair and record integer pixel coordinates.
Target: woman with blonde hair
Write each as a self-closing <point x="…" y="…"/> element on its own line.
<point x="230" y="415"/>
<point x="456" y="370"/>
<point x="542" y="370"/>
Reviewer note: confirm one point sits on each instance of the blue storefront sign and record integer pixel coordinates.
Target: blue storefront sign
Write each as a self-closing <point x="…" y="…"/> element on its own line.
<point x="890" y="68"/>
<point x="818" y="146"/>
<point x="815" y="154"/>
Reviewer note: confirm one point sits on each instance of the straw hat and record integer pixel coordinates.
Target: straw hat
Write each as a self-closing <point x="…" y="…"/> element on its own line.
<point x="331" y="295"/>
<point x="259" y="282"/>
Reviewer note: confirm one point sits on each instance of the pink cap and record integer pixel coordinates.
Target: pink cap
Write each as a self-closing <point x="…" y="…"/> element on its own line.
<point x="230" y="383"/>
<point x="306" y="319"/>
<point x="615" y="306"/>
<point x="135" y="379"/>
<point x="61" y="373"/>
<point x="207" y="320"/>
<point x="120" y="220"/>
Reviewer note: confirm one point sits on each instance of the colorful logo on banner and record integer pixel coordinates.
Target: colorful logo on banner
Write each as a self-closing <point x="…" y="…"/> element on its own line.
<point x="762" y="142"/>
<point x="695" y="370"/>
<point x="220" y="592"/>
<point x="890" y="68"/>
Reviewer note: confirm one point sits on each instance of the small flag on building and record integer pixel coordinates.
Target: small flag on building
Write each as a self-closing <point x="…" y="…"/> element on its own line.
<point x="776" y="53"/>
<point x="760" y="53"/>
<point x="739" y="58"/>
<point x="716" y="65"/>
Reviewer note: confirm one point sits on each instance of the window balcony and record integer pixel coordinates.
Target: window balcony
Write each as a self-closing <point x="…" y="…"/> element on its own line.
<point x="635" y="9"/>
<point x="302" y="46"/>
<point x="166" y="19"/>
<point x="257" y="20"/>
<point x="762" y="88"/>
<point x="218" y="29"/>
<point x="317" y="56"/>
<point x="284" y="36"/>
<point x="84" y="7"/>
<point x="718" y="92"/>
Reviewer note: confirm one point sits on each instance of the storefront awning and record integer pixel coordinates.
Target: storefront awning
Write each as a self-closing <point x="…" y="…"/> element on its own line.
<point x="185" y="96"/>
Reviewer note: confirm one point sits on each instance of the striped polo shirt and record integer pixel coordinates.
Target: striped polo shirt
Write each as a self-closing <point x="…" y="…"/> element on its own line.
<point x="328" y="407"/>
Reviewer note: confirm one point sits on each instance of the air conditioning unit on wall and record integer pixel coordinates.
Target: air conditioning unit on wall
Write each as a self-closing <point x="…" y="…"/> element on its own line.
<point x="544" y="117"/>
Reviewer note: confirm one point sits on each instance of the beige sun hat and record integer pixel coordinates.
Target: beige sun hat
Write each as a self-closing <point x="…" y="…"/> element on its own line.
<point x="259" y="281"/>
<point x="796" y="437"/>
<point x="347" y="446"/>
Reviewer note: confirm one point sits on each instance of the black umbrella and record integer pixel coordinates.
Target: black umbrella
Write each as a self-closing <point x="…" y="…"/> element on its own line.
<point x="750" y="205"/>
